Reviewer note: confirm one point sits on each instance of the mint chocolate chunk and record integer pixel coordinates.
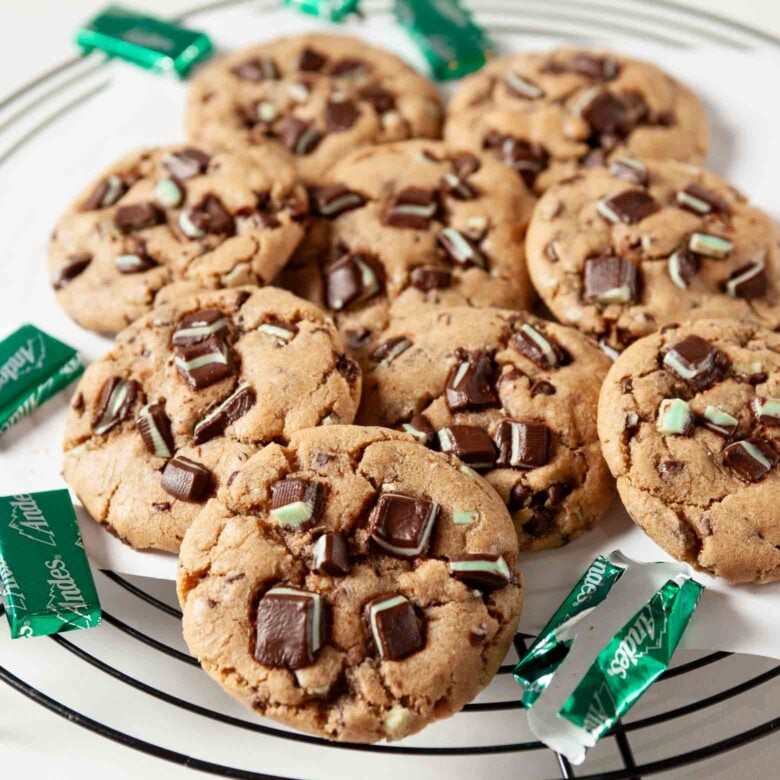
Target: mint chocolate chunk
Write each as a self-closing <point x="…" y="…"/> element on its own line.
<point x="522" y="444"/>
<point x="116" y="400"/>
<point x="290" y="628"/>
<point x="471" y="444"/>
<point x="751" y="459"/>
<point x="486" y="572"/>
<point x="196" y="326"/>
<point x="333" y="200"/>
<point x="351" y="279"/>
<point x="471" y="383"/>
<point x="611" y="280"/>
<point x="186" y="479"/>
<point x="204" y="363"/>
<point x="155" y="429"/>
<point x="236" y="405"/>
<point x="402" y="525"/>
<point x="186" y="163"/>
<point x="137" y="216"/>
<point x="330" y="555"/>
<point x="628" y="207"/>
<point x="297" y="504"/>
<point x="696" y="361"/>
<point x="700" y="200"/>
<point x="412" y="207"/>
<point x="393" y="626"/>
<point x="539" y="348"/>
<point x="74" y="266"/>
<point x="257" y="69"/>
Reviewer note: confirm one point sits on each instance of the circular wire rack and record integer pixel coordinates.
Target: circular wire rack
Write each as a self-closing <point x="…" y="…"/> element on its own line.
<point x="75" y="81"/>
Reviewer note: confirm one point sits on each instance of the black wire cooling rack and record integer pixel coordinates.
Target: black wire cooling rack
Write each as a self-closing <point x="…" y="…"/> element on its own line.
<point x="75" y="81"/>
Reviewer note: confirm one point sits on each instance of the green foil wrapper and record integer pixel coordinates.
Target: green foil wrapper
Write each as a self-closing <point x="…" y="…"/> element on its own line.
<point x="145" y="41"/>
<point x="33" y="367"/>
<point x="45" y="580"/>
<point x="449" y="39"/>
<point x="591" y="663"/>
<point x="335" y="10"/>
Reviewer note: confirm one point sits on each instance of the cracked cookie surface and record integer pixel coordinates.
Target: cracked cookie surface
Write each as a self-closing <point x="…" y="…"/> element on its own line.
<point x="688" y="420"/>
<point x="514" y="396"/>
<point x="411" y="225"/>
<point x="403" y="625"/>
<point x="547" y="114"/>
<point x="174" y="216"/>
<point x="189" y="392"/>
<point x="618" y="253"/>
<point x="317" y="96"/>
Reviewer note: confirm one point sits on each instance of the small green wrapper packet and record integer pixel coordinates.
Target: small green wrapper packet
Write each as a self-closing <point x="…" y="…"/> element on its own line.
<point x="34" y="366"/>
<point x="45" y="580"/>
<point x="449" y="39"/>
<point x="590" y="664"/>
<point x="145" y="41"/>
<point x="335" y="10"/>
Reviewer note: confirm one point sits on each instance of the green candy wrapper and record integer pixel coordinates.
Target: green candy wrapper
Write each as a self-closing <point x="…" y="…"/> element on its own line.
<point x="45" y="580"/>
<point x="589" y="665"/>
<point x="447" y="36"/>
<point x="33" y="367"/>
<point x="143" y="40"/>
<point x="335" y="10"/>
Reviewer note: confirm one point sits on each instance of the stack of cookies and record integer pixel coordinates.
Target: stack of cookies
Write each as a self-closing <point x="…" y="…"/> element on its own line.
<point x="358" y="369"/>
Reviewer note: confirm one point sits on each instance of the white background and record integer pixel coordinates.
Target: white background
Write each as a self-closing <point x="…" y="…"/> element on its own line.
<point x="35" y="34"/>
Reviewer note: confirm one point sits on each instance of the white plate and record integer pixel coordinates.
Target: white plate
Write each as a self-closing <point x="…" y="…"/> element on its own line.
<point x="42" y="174"/>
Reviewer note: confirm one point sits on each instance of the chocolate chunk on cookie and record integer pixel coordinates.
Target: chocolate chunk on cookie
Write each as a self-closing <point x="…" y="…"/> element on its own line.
<point x="514" y="399"/>
<point x="390" y="611"/>
<point x="641" y="245"/>
<point x="688" y="424"/>
<point x="174" y="219"/>
<point x="409" y="225"/>
<point x="188" y="393"/>
<point x="318" y="96"/>
<point x="545" y="115"/>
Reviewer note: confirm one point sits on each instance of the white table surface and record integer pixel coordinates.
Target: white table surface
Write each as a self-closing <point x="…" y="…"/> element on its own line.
<point x="35" y="744"/>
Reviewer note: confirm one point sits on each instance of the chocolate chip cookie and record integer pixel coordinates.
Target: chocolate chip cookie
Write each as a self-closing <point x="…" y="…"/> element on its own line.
<point x="174" y="214"/>
<point x="689" y="420"/>
<point x="351" y="584"/>
<point x="317" y="96"/>
<point x="514" y="397"/>
<point x="409" y="225"/>
<point x="619" y="252"/>
<point x="547" y="114"/>
<point x="188" y="393"/>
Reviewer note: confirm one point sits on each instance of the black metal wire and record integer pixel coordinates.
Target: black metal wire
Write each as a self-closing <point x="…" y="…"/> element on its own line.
<point x="127" y="740"/>
<point x="141" y="594"/>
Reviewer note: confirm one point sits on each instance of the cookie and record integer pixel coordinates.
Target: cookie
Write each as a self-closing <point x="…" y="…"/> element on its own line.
<point x="688" y="420"/>
<point x="510" y="394"/>
<point x="351" y="584"/>
<point x="174" y="214"/>
<point x="547" y="114"/>
<point x="317" y="96"/>
<point x="408" y="225"/>
<point x="188" y="392"/>
<point x="620" y="252"/>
